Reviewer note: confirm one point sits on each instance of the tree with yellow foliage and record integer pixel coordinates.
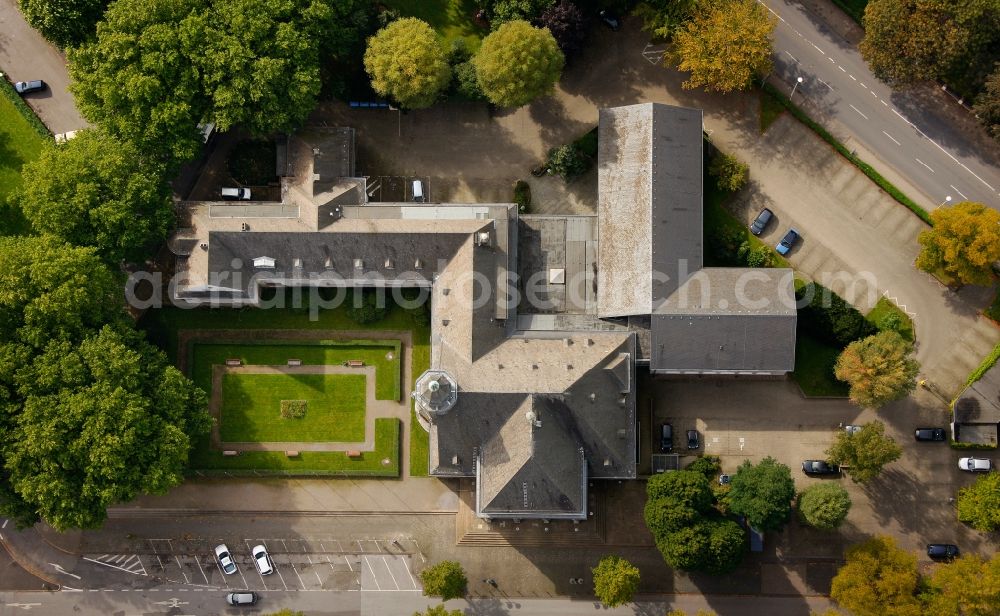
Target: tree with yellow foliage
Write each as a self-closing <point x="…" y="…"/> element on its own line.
<point x="964" y="242"/>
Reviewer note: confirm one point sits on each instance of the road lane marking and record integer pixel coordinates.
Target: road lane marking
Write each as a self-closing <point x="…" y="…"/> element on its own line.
<point x="883" y="102"/>
<point x="818" y="49"/>
<point x="853" y="77"/>
<point x="792" y="57"/>
<point x="859" y="112"/>
<point x="825" y="83"/>
<point x="924" y="164"/>
<point x="796" y="32"/>
<point x="863" y="85"/>
<point x="5" y="524"/>
<point x="891" y="137"/>
<point x="959" y="192"/>
<point x="841" y="68"/>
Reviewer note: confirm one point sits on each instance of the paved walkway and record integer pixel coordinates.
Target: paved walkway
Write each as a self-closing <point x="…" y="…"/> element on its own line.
<point x="374" y="409"/>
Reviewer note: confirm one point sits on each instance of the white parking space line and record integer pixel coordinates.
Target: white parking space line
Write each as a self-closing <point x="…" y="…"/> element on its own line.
<point x="365" y="558"/>
<point x="181" y="567"/>
<point x="389" y="569"/>
<point x="959" y="192"/>
<point x="277" y="570"/>
<point x="347" y="559"/>
<point x="825" y="83"/>
<point x="301" y="583"/>
<point x="891" y="137"/>
<point x="203" y="574"/>
<point x="859" y="111"/>
<point x="406" y="566"/>
<point x="924" y="164"/>
<point x="319" y="580"/>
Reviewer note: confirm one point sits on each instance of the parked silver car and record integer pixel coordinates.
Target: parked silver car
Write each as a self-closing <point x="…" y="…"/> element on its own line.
<point x="975" y="465"/>
<point x="262" y="560"/>
<point x="225" y="559"/>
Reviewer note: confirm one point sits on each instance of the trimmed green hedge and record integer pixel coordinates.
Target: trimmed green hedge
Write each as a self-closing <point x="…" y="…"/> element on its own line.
<point x="865" y="168"/>
<point x="22" y="107"/>
<point x="988" y="363"/>
<point x="970" y="446"/>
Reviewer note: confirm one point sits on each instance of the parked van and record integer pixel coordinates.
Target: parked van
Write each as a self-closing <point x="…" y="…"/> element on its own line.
<point x="236" y="194"/>
<point x="418" y="191"/>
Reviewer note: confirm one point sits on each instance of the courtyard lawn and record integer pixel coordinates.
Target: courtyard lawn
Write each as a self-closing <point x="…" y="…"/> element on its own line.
<point x="19" y="143"/>
<point x="716" y="216"/>
<point x="251" y="407"/>
<point x="885" y="307"/>
<point x="419" y="438"/>
<point x="814" y="363"/>
<point x="451" y="19"/>
<point x="210" y="462"/>
<point x="770" y="109"/>
<point x="205" y="354"/>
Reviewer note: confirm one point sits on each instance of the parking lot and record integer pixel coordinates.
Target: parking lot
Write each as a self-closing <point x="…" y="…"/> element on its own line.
<point x="299" y="564"/>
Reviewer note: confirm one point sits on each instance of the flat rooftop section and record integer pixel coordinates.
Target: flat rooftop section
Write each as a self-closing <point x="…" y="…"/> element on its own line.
<point x="557" y="261"/>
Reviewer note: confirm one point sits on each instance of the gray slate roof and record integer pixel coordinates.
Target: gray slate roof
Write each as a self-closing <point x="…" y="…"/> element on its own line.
<point x="649" y="204"/>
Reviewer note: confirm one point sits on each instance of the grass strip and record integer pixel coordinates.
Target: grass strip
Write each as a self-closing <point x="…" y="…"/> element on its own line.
<point x="988" y="363"/>
<point x="22" y="108"/>
<point x="865" y="168"/>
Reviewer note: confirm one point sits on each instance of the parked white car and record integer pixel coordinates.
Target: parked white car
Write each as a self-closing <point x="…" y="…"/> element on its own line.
<point x="225" y="559"/>
<point x="975" y="465"/>
<point x="262" y="560"/>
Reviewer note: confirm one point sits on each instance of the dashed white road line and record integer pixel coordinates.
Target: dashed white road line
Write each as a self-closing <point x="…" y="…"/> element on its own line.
<point x="863" y="85"/>
<point x="959" y="192"/>
<point x="824" y="83"/>
<point x="853" y="77"/>
<point x="859" y="111"/>
<point x="883" y="102"/>
<point x="818" y="49"/>
<point x="924" y="164"/>
<point x="792" y="57"/>
<point x="891" y="137"/>
<point x="842" y="70"/>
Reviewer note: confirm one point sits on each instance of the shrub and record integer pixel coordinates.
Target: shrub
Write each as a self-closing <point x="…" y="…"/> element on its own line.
<point x="465" y="84"/>
<point x="709" y="466"/>
<point x="725" y="245"/>
<point x="366" y="306"/>
<point x="831" y="319"/>
<point x="293" y="409"/>
<point x="824" y="505"/>
<point x="891" y="321"/>
<point x="755" y="256"/>
<point x="445" y="579"/>
<point x="567" y="161"/>
<point x="729" y="173"/>
<point x="522" y="196"/>
<point x="979" y="504"/>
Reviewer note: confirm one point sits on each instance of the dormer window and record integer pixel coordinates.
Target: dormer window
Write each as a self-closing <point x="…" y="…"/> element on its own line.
<point x="359" y="264"/>
<point x="263" y="263"/>
<point x="389" y="264"/>
<point x="297" y="263"/>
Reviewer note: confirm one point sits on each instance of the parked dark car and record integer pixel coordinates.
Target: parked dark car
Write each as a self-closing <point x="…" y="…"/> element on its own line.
<point x="819" y="467"/>
<point x="610" y="20"/>
<point x="791" y="238"/>
<point x="27" y="87"/>
<point x="242" y="598"/>
<point x="942" y="551"/>
<point x="694" y="441"/>
<point x="666" y="438"/>
<point x="758" y="224"/>
<point x="929" y="434"/>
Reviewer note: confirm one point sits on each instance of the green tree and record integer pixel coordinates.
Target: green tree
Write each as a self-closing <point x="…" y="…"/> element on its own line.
<point x="988" y="103"/>
<point x="712" y="545"/>
<point x="567" y="161"/>
<point x="615" y="581"/>
<point x="762" y="492"/>
<point x="99" y="191"/>
<point x="828" y="317"/>
<point x="726" y="543"/>
<point x="878" y="579"/>
<point x="65" y="23"/>
<point x="864" y="452"/>
<point x="964" y="242"/>
<point x="726" y="44"/>
<point x="101" y="423"/>
<point x="50" y="290"/>
<point x="910" y="40"/>
<point x="438" y="610"/>
<point x="685" y="548"/>
<point x="518" y="63"/>
<point x="138" y="79"/>
<point x="730" y="174"/>
<point x="407" y="63"/>
<point x="709" y="466"/>
<point x="662" y="18"/>
<point x="878" y="368"/>
<point x="688" y="487"/>
<point x="446" y="579"/>
<point x="968" y="586"/>
<point x="260" y="61"/>
<point x="824" y="505"/>
<point x="755" y="256"/>
<point x="504" y="11"/>
<point x="979" y="503"/>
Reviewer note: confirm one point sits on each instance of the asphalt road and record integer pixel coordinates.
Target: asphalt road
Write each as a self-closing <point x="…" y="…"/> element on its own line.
<point x="24" y="55"/>
<point x="100" y="603"/>
<point x="917" y="143"/>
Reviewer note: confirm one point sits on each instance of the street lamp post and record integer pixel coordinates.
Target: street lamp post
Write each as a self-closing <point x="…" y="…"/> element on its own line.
<point x="946" y="200"/>
<point x="798" y="80"/>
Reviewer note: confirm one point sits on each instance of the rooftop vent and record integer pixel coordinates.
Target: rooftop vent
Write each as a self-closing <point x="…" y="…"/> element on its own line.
<point x="593" y="397"/>
<point x="297" y="262"/>
<point x="418" y="264"/>
<point x="445" y="291"/>
<point x="455" y="460"/>
<point x="328" y="264"/>
<point x="389" y="264"/>
<point x="264" y="262"/>
<point x="623" y="434"/>
<point x="557" y="276"/>
<point x="359" y="264"/>
<point x="445" y="322"/>
<point x="483" y="238"/>
<point x="607" y="461"/>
